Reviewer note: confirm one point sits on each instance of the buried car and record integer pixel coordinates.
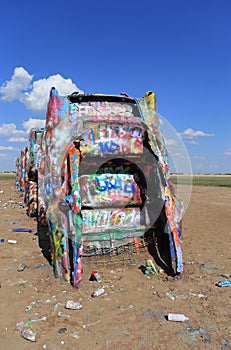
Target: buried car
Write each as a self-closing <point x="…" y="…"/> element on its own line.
<point x="104" y="181"/>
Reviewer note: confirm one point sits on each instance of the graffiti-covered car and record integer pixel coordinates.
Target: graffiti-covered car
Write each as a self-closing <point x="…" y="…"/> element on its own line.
<point x="104" y="180"/>
<point x="35" y="141"/>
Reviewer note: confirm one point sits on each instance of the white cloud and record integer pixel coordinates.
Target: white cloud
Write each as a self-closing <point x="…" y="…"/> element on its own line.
<point x="11" y="129"/>
<point x="34" y="123"/>
<point x="17" y="139"/>
<point x="34" y="94"/>
<point x="6" y="148"/>
<point x="19" y="83"/>
<point x="190" y="134"/>
<point x="14" y="135"/>
<point x="228" y="153"/>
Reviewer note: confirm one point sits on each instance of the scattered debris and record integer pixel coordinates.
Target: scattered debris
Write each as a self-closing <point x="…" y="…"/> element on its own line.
<point x="225" y="345"/>
<point x="150" y="268"/>
<point x="31" y="305"/>
<point x="19" y="326"/>
<point x="170" y="296"/>
<point x="12" y="241"/>
<point x="194" y="332"/>
<point x="28" y="334"/>
<point x="91" y="324"/>
<point x="98" y="292"/>
<point x="199" y="295"/>
<point x="74" y="305"/>
<point x="95" y="276"/>
<point x="75" y="335"/>
<point x="61" y="314"/>
<point x="177" y="317"/>
<point x="224" y="283"/>
<point x="43" y="318"/>
<point x="121" y="308"/>
<point x="21" y="229"/>
<point x="62" y="330"/>
<point x="21" y="267"/>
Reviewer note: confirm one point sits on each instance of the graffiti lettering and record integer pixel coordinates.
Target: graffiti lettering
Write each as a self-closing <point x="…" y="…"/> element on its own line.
<point x="104" y="109"/>
<point x="106" y="185"/>
<point x="108" y="147"/>
<point x="107" y="218"/>
<point x="109" y="189"/>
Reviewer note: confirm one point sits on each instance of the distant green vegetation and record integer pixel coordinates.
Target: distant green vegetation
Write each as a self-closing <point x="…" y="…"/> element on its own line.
<point x="7" y="176"/>
<point x="203" y="180"/>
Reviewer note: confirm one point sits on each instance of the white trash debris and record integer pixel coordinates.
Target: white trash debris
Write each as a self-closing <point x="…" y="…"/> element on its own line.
<point x="28" y="334"/>
<point x="74" y="305"/>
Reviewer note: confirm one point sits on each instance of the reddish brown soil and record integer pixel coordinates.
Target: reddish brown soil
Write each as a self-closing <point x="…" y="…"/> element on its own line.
<point x="131" y="313"/>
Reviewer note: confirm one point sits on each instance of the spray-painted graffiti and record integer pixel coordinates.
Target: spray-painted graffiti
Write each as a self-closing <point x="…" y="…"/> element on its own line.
<point x="111" y="139"/>
<point x="109" y="190"/>
<point x="94" y="220"/>
<point x="110" y="205"/>
<point x="105" y="109"/>
<point x="32" y="172"/>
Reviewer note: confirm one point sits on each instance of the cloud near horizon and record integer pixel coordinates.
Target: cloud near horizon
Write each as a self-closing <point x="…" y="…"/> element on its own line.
<point x="33" y="123"/>
<point x="34" y="94"/>
<point x="21" y="136"/>
<point x="11" y="130"/>
<point x="191" y="134"/>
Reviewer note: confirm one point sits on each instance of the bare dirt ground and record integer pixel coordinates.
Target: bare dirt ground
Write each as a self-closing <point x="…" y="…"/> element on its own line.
<point x="131" y="312"/>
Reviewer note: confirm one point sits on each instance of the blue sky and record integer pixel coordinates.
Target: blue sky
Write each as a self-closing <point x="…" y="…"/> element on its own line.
<point x="179" y="49"/>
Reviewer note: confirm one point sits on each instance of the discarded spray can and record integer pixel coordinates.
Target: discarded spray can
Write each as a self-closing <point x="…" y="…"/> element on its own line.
<point x="177" y="317"/>
<point x="98" y="292"/>
<point x="12" y="241"/>
<point x="224" y="283"/>
<point x="150" y="268"/>
<point x="95" y="276"/>
<point x="29" y="334"/>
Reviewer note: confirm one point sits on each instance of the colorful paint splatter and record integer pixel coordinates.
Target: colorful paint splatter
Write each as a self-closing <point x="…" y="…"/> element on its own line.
<point x="98" y="176"/>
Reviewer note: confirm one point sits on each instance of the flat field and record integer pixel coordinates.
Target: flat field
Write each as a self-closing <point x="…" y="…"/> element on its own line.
<point x="131" y="313"/>
<point x="203" y="180"/>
